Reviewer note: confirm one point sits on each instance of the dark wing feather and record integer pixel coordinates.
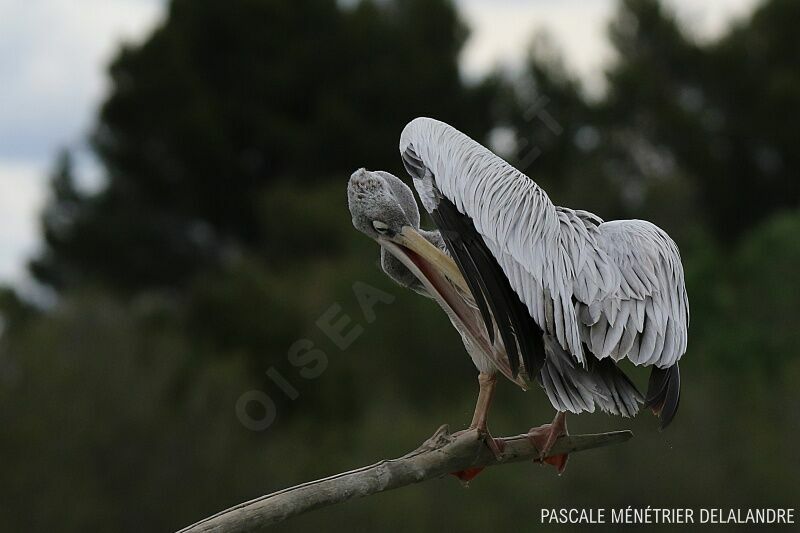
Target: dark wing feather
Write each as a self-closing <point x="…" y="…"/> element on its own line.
<point x="416" y="167"/>
<point x="490" y="287"/>
<point x="486" y="280"/>
<point x="664" y="393"/>
<point x="444" y="220"/>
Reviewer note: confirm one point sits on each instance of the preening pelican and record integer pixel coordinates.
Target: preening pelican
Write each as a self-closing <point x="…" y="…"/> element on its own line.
<point x="536" y="291"/>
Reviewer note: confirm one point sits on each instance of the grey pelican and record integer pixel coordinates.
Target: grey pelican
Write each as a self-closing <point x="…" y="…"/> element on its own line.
<point x="536" y="291"/>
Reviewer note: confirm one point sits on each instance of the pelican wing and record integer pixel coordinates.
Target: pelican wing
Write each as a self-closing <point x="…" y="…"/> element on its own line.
<point x="549" y="255"/>
<point x="571" y="387"/>
<point x="491" y="290"/>
<point x="646" y="319"/>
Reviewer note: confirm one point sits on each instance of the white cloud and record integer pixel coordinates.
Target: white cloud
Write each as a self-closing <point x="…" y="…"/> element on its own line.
<point x="502" y="30"/>
<point x="53" y="55"/>
<point x="53" y="58"/>
<point x="21" y="199"/>
<point x="710" y="18"/>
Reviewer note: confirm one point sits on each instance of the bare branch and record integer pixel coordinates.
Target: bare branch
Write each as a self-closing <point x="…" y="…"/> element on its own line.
<point x="441" y="454"/>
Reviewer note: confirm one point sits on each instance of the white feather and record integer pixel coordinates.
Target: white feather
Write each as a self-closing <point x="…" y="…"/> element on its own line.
<point x="624" y="277"/>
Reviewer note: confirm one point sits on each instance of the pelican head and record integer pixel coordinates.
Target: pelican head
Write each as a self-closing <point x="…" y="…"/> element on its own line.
<point x="384" y="209"/>
<point x="381" y="204"/>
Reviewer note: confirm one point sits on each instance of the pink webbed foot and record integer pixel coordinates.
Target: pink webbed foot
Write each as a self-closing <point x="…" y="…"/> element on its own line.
<point x="545" y="436"/>
<point x="495" y="445"/>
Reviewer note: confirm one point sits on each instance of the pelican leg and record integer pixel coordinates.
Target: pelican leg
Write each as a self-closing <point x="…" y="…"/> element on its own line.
<point x="543" y="437"/>
<point x="486" y="383"/>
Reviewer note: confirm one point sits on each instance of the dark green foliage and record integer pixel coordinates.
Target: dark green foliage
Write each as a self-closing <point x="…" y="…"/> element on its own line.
<point x="756" y="300"/>
<point x="101" y="437"/>
<point x="58" y="220"/>
<point x="722" y="113"/>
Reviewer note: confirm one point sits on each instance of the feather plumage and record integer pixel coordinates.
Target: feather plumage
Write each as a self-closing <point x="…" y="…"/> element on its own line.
<point x="616" y="287"/>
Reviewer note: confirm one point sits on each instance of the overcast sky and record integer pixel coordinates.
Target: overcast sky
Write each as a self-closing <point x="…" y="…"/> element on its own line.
<point x="53" y="55"/>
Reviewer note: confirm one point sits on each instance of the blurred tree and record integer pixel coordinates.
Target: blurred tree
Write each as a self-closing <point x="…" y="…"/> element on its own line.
<point x="723" y="112"/>
<point x="590" y="153"/>
<point x="226" y="97"/>
<point x="15" y="312"/>
<point x="560" y="141"/>
<point x="57" y="221"/>
<point x="91" y="416"/>
<point x="547" y="110"/>
<point x="752" y="326"/>
<point x="708" y="125"/>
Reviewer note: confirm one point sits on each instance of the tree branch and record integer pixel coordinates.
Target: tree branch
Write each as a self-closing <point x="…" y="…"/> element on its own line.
<point x="441" y="454"/>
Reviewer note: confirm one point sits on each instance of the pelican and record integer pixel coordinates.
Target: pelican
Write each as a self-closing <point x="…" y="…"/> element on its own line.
<point x="535" y="290"/>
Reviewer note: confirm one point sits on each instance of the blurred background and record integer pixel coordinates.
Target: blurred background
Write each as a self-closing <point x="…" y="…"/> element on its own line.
<point x="173" y="221"/>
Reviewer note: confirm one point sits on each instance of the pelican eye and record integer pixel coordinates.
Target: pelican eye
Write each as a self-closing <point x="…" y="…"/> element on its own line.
<point x="379" y="226"/>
